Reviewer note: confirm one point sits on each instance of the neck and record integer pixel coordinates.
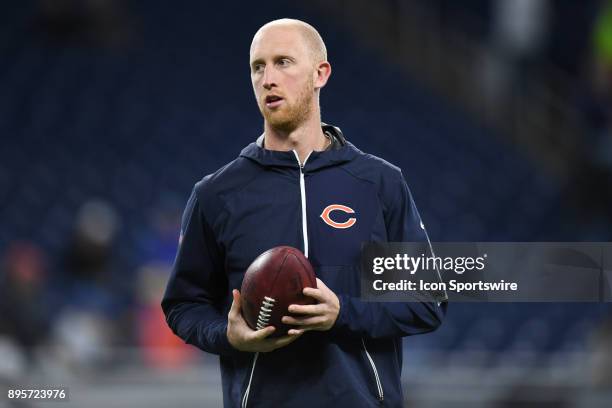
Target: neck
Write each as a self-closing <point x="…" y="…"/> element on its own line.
<point x="304" y="139"/>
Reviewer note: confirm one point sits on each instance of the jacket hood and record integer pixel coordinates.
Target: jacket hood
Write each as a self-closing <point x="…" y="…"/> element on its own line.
<point x="341" y="151"/>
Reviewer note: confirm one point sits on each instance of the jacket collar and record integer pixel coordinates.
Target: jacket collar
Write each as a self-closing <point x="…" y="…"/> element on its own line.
<point x="340" y="151"/>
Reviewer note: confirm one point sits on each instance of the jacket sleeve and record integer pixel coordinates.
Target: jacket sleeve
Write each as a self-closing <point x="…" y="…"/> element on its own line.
<point x="392" y="319"/>
<point x="193" y="300"/>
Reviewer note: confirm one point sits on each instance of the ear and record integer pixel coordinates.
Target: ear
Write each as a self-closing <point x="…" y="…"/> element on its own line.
<point x="321" y="74"/>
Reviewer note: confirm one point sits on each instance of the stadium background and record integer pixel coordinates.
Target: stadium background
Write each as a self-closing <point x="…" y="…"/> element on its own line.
<point x="498" y="112"/>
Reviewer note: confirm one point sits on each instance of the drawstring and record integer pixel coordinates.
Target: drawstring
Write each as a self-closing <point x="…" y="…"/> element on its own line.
<point x="245" y="399"/>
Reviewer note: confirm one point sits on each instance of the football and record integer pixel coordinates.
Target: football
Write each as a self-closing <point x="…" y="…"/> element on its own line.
<point x="271" y="283"/>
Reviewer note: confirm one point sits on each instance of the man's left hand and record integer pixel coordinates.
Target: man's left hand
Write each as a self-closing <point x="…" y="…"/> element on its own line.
<point x="319" y="316"/>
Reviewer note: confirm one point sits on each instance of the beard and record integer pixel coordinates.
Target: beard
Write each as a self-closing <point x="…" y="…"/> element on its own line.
<point x="290" y="116"/>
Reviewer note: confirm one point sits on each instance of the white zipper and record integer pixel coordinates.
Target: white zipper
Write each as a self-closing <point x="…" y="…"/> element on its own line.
<point x="378" y="384"/>
<point x="303" y="195"/>
<point x="434" y="256"/>
<point x="245" y="398"/>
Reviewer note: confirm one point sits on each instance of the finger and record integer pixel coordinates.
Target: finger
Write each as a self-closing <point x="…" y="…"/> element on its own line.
<point x="321" y="284"/>
<point x="302" y="322"/>
<point x="307" y="309"/>
<point x="235" y="308"/>
<point x="295" y="332"/>
<point x="316" y="294"/>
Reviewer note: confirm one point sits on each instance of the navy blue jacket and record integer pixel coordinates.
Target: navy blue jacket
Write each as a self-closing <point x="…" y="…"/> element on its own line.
<point x="256" y="202"/>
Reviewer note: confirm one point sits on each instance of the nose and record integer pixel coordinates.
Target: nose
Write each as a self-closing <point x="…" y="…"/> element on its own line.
<point x="269" y="78"/>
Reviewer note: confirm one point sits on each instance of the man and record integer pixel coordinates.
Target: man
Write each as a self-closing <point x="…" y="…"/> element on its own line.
<point x="300" y="184"/>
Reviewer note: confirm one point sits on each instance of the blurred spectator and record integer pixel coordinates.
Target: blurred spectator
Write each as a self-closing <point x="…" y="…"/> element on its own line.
<point x="519" y="31"/>
<point x="88" y="257"/>
<point x="94" y="316"/>
<point x="520" y="27"/>
<point x="25" y="312"/>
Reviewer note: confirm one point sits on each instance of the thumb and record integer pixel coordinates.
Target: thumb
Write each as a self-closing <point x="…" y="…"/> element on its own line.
<point x="263" y="333"/>
<point x="235" y="309"/>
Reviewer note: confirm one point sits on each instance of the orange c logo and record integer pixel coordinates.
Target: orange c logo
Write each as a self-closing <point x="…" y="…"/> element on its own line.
<point x="338" y="207"/>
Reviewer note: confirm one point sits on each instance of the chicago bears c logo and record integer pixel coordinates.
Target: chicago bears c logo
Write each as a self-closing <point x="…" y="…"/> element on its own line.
<point x="325" y="215"/>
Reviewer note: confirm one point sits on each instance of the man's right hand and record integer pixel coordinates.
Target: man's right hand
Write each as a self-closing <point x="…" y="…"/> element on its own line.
<point x="243" y="338"/>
